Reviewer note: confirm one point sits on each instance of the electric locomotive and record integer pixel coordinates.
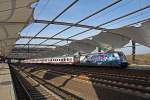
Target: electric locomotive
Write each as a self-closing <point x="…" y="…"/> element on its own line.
<point x="113" y="58"/>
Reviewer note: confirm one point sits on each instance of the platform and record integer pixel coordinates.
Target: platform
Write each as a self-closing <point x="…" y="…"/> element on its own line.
<point x="6" y="85"/>
<point x="139" y="67"/>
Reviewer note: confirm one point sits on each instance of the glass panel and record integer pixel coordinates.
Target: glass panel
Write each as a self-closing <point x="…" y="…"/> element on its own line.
<point x="49" y="9"/>
<point x="32" y="29"/>
<point x="36" y="41"/>
<point x="51" y="30"/>
<point x="22" y="41"/>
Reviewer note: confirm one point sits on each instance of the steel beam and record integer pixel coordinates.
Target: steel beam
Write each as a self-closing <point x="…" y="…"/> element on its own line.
<point x="67" y="24"/>
<point x="131" y="13"/>
<point x="29" y="37"/>
<point x="36" y="45"/>
<point x="61" y="13"/>
<point x="87" y="17"/>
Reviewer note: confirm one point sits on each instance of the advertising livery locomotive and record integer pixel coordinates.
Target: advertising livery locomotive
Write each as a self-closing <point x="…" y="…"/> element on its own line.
<point x="106" y="59"/>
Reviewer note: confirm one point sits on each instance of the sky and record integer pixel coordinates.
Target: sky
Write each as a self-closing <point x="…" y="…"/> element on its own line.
<point x="49" y="9"/>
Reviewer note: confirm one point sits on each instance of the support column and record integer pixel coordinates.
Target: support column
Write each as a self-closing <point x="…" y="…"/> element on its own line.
<point x="2" y="59"/>
<point x="28" y="52"/>
<point x="133" y="52"/>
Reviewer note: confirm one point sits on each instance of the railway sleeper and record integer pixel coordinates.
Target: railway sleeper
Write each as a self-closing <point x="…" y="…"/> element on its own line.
<point x="35" y="92"/>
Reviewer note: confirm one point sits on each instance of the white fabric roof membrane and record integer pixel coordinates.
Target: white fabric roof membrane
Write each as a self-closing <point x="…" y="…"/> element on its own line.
<point x="85" y="45"/>
<point x="113" y="40"/>
<point x="14" y="15"/>
<point x="138" y="34"/>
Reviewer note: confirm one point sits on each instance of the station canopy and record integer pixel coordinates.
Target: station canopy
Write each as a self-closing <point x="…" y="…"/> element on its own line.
<point x="70" y="26"/>
<point x="14" y="16"/>
<point x="139" y="34"/>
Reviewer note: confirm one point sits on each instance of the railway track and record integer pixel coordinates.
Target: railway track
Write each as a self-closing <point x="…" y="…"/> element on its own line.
<point x="39" y="89"/>
<point x="126" y="83"/>
<point x="140" y="85"/>
<point x="20" y="91"/>
<point x="137" y="80"/>
<point x="28" y="89"/>
<point x="133" y="84"/>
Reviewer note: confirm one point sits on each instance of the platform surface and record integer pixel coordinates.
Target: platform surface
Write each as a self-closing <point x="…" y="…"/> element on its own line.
<point x="6" y="85"/>
<point x="140" y="67"/>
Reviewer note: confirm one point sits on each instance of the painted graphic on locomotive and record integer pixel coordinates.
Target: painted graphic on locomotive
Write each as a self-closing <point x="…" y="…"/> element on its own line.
<point x="106" y="59"/>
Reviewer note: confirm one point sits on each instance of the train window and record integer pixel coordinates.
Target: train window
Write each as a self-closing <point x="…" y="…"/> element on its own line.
<point x="61" y="59"/>
<point x="70" y="59"/>
<point x="116" y="55"/>
<point x="122" y="56"/>
<point x="64" y="59"/>
<point x="67" y="59"/>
